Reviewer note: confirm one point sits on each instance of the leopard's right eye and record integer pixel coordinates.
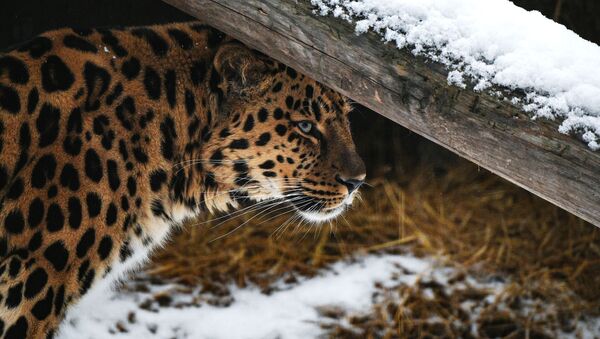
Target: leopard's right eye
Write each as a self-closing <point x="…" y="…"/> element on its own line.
<point x="305" y="126"/>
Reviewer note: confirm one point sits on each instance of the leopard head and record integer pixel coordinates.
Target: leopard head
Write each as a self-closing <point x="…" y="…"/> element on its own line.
<point x="281" y="137"/>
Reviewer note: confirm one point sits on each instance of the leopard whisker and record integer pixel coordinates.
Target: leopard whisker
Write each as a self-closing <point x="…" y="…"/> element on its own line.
<point x="290" y="220"/>
<point x="283" y="227"/>
<point x="245" y="211"/>
<point x="290" y="209"/>
<point x="311" y="209"/>
<point x="241" y="225"/>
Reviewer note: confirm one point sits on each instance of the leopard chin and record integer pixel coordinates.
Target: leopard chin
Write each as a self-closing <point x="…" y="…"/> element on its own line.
<point x="317" y="215"/>
<point x="323" y="216"/>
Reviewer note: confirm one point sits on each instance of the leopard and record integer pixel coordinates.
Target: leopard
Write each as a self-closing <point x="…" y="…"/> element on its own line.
<point x="111" y="138"/>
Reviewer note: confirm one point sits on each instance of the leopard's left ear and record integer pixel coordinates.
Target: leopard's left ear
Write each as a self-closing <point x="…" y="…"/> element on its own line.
<point x="243" y="73"/>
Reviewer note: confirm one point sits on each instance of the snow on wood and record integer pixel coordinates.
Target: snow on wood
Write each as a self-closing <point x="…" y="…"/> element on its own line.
<point x="493" y="43"/>
<point x="414" y="91"/>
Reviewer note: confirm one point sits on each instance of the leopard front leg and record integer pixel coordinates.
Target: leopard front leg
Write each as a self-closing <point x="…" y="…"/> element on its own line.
<point x="33" y="297"/>
<point x="55" y="241"/>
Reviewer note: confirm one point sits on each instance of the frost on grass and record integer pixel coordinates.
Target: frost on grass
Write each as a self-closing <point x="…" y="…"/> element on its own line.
<point x="493" y="43"/>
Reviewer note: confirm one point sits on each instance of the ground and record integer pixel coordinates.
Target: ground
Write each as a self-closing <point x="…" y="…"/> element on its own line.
<point x="378" y="295"/>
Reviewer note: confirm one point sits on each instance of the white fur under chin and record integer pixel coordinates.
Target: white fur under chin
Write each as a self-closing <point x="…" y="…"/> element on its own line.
<point x="321" y="217"/>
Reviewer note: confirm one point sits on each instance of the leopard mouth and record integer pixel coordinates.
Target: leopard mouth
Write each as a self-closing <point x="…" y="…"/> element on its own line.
<point x="312" y="210"/>
<point x="322" y="216"/>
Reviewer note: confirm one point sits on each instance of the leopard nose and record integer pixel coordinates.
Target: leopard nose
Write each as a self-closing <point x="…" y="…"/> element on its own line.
<point x="351" y="183"/>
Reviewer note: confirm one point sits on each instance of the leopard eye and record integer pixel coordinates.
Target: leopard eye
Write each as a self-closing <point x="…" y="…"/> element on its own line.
<point x="305" y="126"/>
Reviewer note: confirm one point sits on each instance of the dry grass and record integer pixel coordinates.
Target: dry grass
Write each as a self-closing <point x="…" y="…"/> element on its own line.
<point x="467" y="215"/>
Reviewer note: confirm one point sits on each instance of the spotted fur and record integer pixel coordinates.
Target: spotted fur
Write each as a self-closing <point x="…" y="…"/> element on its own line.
<point x="110" y="138"/>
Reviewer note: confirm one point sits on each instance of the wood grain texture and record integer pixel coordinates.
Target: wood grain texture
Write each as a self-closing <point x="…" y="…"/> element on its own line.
<point x="414" y="92"/>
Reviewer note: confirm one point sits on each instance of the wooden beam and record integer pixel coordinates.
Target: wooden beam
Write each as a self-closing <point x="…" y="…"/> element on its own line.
<point x="414" y="92"/>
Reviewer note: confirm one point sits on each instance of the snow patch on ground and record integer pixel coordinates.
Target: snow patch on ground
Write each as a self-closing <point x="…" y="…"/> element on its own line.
<point x="493" y="43"/>
<point x="299" y="310"/>
<point x="288" y="313"/>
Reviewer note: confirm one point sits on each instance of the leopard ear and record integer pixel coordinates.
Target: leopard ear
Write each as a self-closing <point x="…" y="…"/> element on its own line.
<point x="241" y="72"/>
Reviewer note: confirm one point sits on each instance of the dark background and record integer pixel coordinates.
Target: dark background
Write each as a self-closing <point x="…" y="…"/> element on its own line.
<point x="23" y="19"/>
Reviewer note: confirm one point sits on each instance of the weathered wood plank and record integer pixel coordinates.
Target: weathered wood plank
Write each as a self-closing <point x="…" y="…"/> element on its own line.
<point x="414" y="93"/>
